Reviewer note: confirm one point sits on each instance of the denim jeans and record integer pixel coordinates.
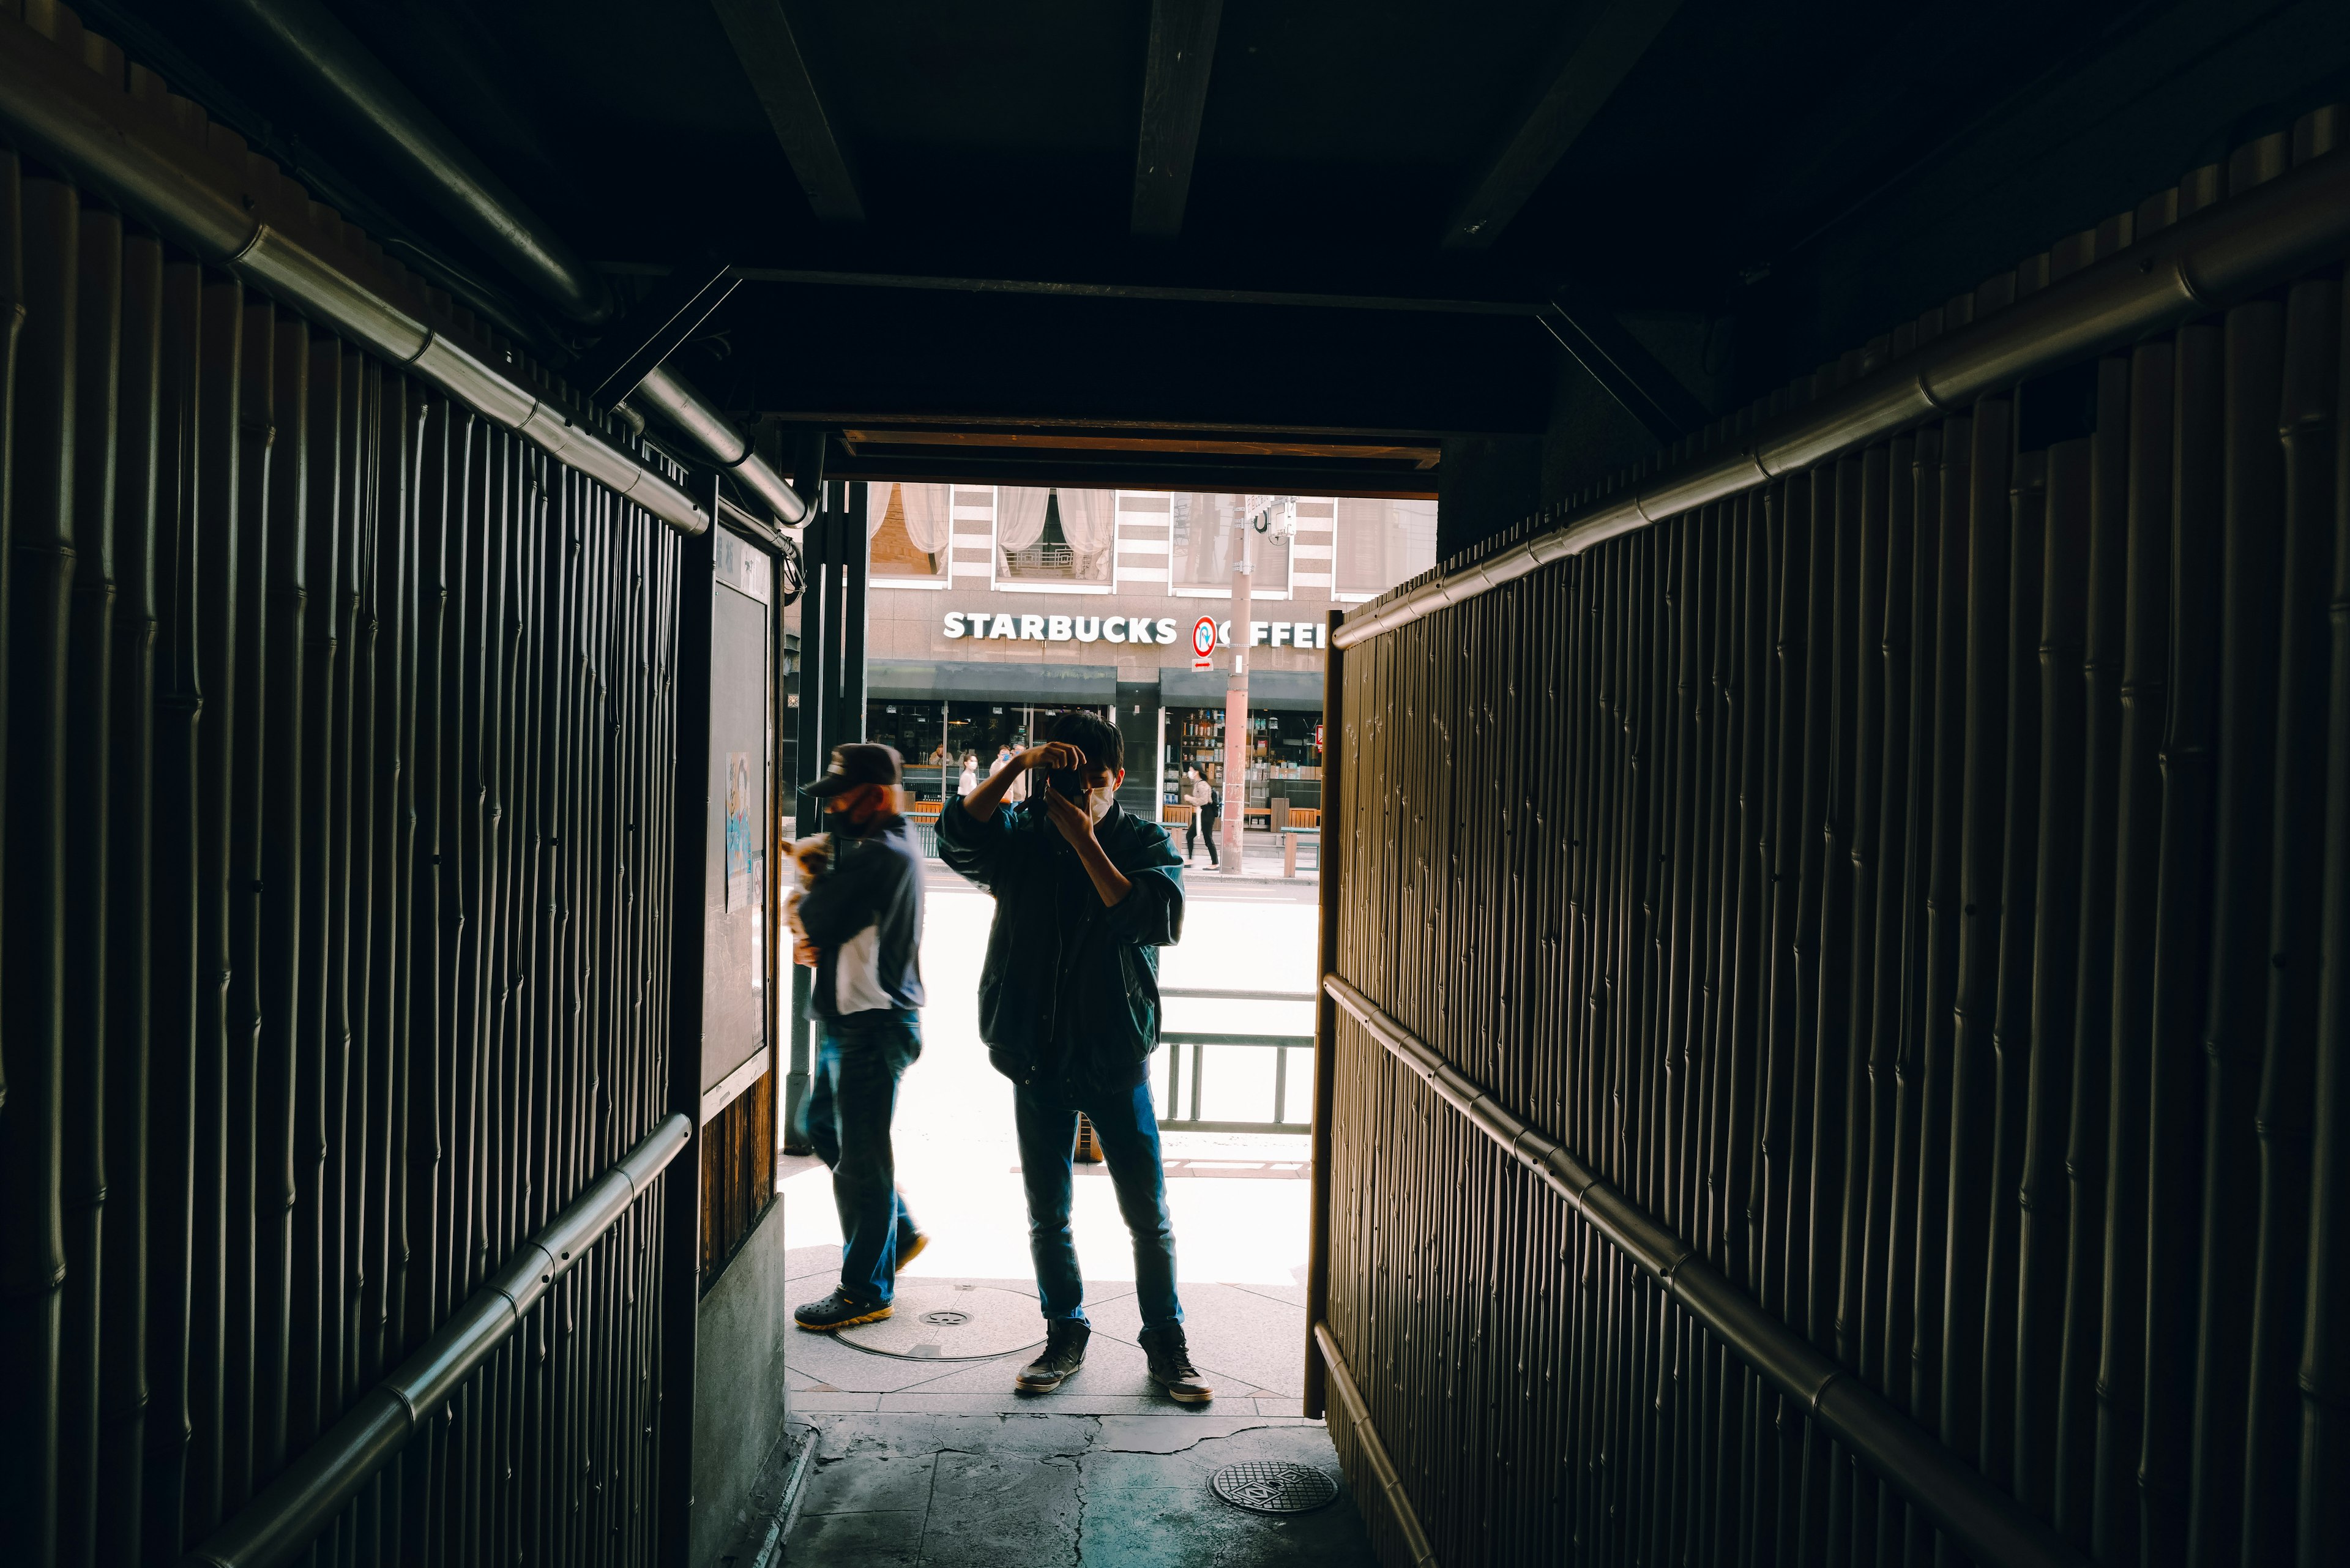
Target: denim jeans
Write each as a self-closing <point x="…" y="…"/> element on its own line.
<point x="1129" y="1140"/>
<point x="859" y="1062"/>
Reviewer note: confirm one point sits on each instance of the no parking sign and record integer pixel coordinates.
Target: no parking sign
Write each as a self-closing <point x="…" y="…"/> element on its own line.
<point x="1203" y="643"/>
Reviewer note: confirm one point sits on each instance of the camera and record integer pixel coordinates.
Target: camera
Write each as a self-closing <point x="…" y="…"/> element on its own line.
<point x="1068" y="782"/>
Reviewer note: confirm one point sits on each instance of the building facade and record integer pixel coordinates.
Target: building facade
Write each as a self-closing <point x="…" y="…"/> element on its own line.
<point x="992" y="606"/>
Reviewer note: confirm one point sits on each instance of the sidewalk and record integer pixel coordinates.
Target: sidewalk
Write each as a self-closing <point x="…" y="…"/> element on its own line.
<point x="925" y="1453"/>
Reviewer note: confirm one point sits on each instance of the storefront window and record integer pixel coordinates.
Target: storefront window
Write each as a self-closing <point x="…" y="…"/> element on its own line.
<point x="1285" y="763"/>
<point x="934" y="737"/>
<point x="914" y="728"/>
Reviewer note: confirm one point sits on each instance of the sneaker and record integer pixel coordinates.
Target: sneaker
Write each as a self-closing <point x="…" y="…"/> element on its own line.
<point x="1064" y="1352"/>
<point x="839" y="1310"/>
<point x="910" y="1244"/>
<point x="1172" y="1369"/>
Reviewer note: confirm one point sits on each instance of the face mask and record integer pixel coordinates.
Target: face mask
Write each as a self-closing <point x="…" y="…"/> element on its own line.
<point x="1099" y="801"/>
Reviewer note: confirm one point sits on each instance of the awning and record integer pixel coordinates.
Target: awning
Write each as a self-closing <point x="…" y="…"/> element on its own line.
<point x="1041" y="685"/>
<point x="1299" y="690"/>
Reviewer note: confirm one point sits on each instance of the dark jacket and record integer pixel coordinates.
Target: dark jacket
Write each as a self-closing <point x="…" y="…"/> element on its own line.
<point x="874" y="878"/>
<point x="1068" y="1000"/>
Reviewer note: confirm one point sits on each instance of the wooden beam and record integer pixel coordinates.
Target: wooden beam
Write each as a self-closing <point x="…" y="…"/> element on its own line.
<point x="1174" y="94"/>
<point x="1418" y="455"/>
<point x="1651" y="394"/>
<point x="1596" y="67"/>
<point x="771" y="57"/>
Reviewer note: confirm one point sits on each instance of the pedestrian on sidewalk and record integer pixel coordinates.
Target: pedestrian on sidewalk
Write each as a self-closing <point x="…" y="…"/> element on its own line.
<point x="861" y="916"/>
<point x="1202" y="796"/>
<point x="1085" y="894"/>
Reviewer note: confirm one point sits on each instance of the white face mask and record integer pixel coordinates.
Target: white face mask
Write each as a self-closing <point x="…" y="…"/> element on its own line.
<point x="1099" y="801"/>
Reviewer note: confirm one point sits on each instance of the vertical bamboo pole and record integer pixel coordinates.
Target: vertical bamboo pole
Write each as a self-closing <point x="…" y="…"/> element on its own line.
<point x="139" y="1226"/>
<point x="33" y="1262"/>
<point x="88" y="1151"/>
<point x="2309" y="402"/>
<point x="1336" y="750"/>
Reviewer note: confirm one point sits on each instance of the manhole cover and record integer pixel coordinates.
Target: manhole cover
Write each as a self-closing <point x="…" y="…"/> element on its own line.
<point x="938" y="1320"/>
<point x="1264" y="1488"/>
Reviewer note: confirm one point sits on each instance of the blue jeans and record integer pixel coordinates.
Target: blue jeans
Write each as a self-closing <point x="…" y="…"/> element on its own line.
<point x="1129" y="1140"/>
<point x="859" y="1062"/>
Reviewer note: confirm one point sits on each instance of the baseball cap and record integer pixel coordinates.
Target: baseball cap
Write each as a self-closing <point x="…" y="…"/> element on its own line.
<point x="861" y="762"/>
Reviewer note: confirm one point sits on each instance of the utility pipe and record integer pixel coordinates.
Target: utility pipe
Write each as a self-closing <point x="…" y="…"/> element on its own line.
<point x="279" y="1524"/>
<point x="55" y="106"/>
<point x="311" y="45"/>
<point x="667" y="393"/>
<point x="308" y="45"/>
<point x="2275" y="231"/>
<point x="1988" y="1524"/>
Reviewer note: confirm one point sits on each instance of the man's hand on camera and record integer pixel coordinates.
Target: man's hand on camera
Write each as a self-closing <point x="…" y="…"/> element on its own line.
<point x="1054" y="756"/>
<point x="1070" y="817"/>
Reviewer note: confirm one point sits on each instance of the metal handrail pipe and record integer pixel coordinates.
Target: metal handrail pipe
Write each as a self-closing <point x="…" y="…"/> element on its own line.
<point x="279" y="1524"/>
<point x="57" y="107"/>
<point x="1988" y="1524"/>
<point x="2252" y="241"/>
<point x="312" y="44"/>
<point x="1375" y="1453"/>
<point x="1205" y="994"/>
<point x="669" y="395"/>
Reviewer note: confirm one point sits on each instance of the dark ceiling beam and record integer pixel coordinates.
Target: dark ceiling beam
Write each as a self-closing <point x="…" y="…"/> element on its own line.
<point x="1172" y="443"/>
<point x="771" y="57"/>
<point x="1140" y="471"/>
<point x="1596" y="67"/>
<point x="1053" y="288"/>
<point x="1174" y="94"/>
<point x="653" y="329"/>
<point x="1635" y="377"/>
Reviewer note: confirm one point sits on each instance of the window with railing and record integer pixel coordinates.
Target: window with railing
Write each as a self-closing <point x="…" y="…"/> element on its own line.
<point x="1055" y="535"/>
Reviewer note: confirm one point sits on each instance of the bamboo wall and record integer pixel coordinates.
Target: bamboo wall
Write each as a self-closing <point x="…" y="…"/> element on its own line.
<point x="337" y="832"/>
<point x="1923" y="883"/>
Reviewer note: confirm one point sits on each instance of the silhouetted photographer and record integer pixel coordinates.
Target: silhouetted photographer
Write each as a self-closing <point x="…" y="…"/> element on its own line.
<point x="1085" y="894"/>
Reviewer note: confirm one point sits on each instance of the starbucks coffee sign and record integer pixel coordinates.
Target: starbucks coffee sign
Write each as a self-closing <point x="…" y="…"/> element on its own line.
<point x="986" y="626"/>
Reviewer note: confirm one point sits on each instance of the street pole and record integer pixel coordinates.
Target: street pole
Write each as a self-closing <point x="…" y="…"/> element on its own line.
<point x="1236" y="720"/>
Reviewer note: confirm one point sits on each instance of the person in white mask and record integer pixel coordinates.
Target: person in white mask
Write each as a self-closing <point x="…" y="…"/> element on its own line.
<point x="1085" y="894"/>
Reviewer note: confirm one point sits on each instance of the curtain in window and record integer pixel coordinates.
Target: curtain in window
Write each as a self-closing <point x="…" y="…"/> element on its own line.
<point x="927" y="515"/>
<point x="1088" y="521"/>
<point x="1019" y="516"/>
<point x="877" y="507"/>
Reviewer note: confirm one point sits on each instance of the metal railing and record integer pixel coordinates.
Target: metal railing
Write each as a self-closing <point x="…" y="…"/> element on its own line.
<point x="1990" y="1525"/>
<point x="1199" y="1040"/>
<point x="289" y="1512"/>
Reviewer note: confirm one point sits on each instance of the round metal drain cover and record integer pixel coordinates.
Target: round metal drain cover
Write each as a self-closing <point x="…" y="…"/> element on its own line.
<point x="1264" y="1488"/>
<point x="938" y="1320"/>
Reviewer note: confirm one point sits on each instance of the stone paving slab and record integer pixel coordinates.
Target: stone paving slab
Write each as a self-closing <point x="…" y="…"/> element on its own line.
<point x="941" y="1491"/>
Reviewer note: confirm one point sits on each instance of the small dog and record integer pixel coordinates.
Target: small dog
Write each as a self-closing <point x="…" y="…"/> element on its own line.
<point x="807" y="857"/>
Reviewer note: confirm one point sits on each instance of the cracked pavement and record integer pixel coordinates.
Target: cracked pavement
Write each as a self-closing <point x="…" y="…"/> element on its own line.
<point x="1014" y="1488"/>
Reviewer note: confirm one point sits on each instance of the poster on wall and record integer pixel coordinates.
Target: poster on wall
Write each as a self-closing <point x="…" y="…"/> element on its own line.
<point x="741" y="835"/>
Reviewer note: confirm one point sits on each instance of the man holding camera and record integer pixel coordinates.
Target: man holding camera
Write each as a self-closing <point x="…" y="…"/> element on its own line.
<point x="1068" y="1005"/>
<point x="862" y="919"/>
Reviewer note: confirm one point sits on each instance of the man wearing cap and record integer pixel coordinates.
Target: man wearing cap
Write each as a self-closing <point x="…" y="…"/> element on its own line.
<point x="862" y="916"/>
